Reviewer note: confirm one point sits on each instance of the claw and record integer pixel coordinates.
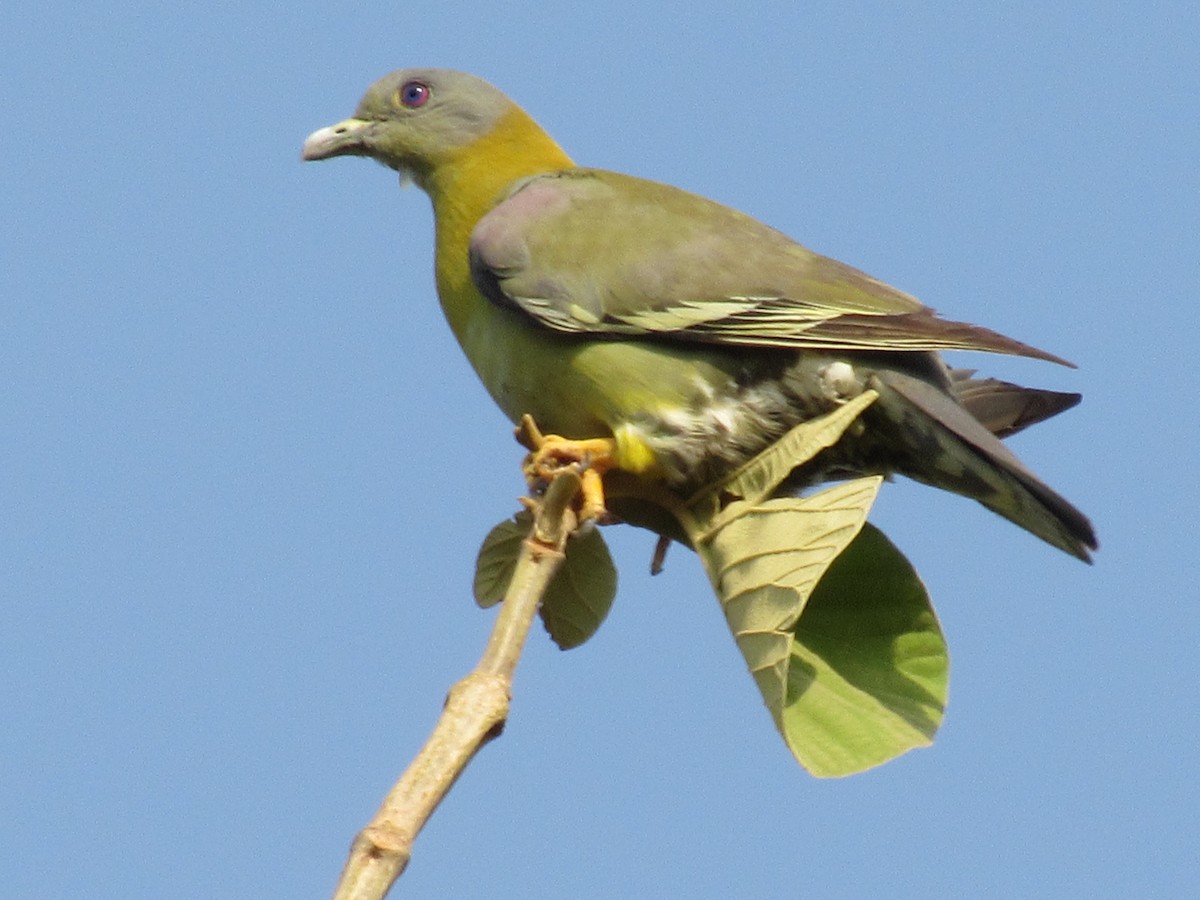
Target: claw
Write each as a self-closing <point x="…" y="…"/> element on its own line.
<point x="549" y="453"/>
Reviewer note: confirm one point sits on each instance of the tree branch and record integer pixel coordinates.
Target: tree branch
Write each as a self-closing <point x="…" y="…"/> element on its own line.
<point x="475" y="711"/>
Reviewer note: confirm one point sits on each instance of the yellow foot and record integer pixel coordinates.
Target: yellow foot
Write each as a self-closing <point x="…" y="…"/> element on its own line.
<point x="550" y="452"/>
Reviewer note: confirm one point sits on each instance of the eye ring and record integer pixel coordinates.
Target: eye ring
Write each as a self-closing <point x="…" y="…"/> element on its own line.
<point x="413" y="94"/>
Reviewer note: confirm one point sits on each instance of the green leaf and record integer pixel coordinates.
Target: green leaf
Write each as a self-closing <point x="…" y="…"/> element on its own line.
<point x="498" y="558"/>
<point x="869" y="668"/>
<point x="765" y="563"/>
<point x="578" y="598"/>
<point x="834" y="624"/>
<point x="758" y="478"/>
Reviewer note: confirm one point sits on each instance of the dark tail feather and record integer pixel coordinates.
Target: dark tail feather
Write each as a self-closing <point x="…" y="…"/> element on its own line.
<point x="949" y="448"/>
<point x="1003" y="408"/>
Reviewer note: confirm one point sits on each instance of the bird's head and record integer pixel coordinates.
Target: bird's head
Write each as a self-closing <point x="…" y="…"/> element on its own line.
<point x="417" y="120"/>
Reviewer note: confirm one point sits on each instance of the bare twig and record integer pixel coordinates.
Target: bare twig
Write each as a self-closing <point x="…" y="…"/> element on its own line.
<point x="475" y="711"/>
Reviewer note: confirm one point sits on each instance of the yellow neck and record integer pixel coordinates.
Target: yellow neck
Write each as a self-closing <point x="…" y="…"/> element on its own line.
<point x="465" y="184"/>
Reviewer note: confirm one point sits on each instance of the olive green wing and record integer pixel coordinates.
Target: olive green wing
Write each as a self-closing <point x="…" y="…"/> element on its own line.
<point x="596" y="253"/>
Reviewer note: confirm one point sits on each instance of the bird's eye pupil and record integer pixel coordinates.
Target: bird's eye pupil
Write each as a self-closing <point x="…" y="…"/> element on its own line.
<point x="414" y="94"/>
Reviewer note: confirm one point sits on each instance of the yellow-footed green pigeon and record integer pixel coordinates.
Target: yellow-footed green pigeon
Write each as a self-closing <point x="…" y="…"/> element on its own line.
<point x="675" y="337"/>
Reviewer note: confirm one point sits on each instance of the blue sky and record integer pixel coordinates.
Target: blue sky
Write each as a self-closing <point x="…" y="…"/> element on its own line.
<point x="244" y="470"/>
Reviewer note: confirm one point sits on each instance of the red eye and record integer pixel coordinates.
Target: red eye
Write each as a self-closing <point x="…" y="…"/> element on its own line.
<point x="414" y="94"/>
